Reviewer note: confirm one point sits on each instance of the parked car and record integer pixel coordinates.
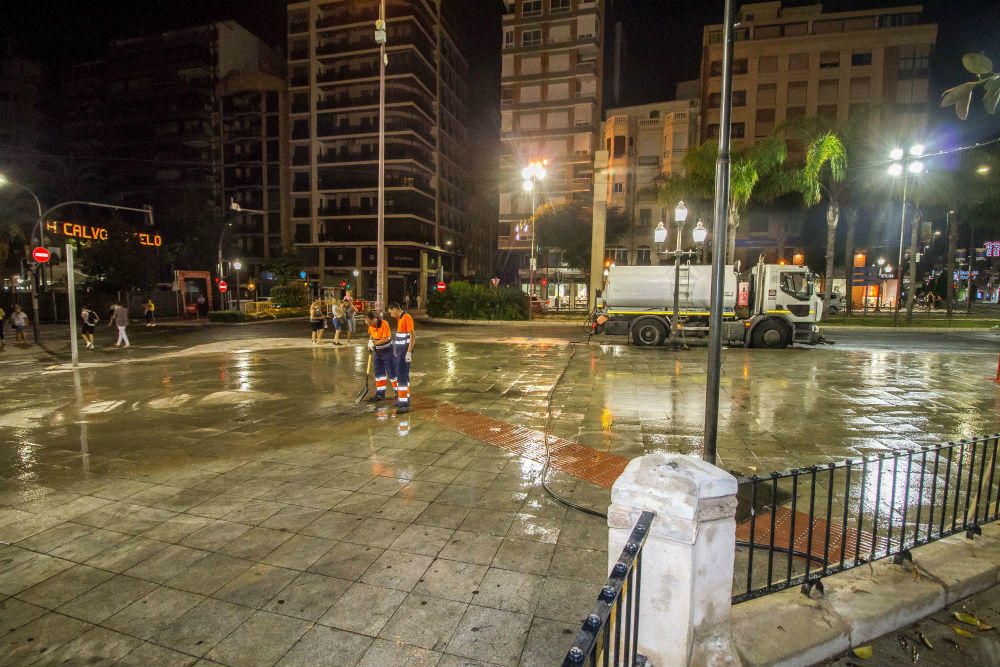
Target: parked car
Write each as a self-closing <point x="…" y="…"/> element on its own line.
<point x="836" y="303"/>
<point x="539" y="305"/>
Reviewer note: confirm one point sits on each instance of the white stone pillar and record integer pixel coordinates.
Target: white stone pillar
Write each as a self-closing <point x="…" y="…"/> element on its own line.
<point x="687" y="562"/>
<point x="597" y="234"/>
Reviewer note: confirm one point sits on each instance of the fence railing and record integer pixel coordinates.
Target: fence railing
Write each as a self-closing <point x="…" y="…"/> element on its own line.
<point x="610" y="633"/>
<point x="794" y="528"/>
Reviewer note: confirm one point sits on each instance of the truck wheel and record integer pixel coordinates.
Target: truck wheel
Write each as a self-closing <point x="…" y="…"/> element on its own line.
<point x="649" y="333"/>
<point x="770" y="334"/>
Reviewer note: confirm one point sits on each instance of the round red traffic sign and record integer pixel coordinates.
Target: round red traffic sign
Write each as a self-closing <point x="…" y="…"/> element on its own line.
<point x="41" y="254"/>
<point x="441" y="286"/>
<point x="223" y="286"/>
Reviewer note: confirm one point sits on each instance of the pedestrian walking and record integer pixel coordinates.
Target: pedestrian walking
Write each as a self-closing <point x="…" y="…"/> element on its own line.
<point x="202" y="304"/>
<point x="402" y="350"/>
<point x="119" y="318"/>
<point x="88" y="322"/>
<point x="380" y="346"/>
<point x="316" y="322"/>
<point x="336" y="321"/>
<point x="350" y="312"/>
<point x="19" y="320"/>
<point x="419" y="300"/>
<point x="150" y="312"/>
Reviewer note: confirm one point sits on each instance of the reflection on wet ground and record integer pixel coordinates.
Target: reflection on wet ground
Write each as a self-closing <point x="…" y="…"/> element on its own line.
<point x="243" y="483"/>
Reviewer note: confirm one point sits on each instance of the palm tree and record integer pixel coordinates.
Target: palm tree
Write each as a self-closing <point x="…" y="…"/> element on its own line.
<point x="824" y="175"/>
<point x="757" y="174"/>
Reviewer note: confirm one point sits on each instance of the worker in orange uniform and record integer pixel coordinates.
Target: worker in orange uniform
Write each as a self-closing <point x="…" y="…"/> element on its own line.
<point x="380" y="345"/>
<point x="402" y="348"/>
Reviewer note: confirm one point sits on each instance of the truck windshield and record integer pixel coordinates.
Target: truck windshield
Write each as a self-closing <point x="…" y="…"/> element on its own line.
<point x="798" y="284"/>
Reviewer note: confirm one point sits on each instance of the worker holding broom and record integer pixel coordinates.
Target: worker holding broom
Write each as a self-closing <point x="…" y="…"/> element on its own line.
<point x="380" y="346"/>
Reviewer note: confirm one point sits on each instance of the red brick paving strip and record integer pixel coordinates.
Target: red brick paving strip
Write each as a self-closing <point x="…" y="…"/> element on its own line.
<point x="567" y="456"/>
<point x="782" y="531"/>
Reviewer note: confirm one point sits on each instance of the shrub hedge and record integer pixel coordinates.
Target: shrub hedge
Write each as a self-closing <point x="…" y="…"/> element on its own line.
<point x="290" y="295"/>
<point x="465" y="301"/>
<point x="239" y="316"/>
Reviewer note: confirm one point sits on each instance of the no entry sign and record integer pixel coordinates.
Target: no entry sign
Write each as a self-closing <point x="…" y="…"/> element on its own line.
<point x="41" y="255"/>
<point x="441" y="286"/>
<point x="223" y="286"/>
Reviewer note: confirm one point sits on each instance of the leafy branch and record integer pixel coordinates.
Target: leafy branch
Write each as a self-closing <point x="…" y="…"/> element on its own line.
<point x="961" y="95"/>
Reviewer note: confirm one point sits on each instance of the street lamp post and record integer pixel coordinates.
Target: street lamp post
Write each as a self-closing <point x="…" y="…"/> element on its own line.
<point x="380" y="259"/>
<point x="659" y="239"/>
<point x="34" y="282"/>
<point x="235" y="207"/>
<point x="904" y="164"/>
<point x="531" y="175"/>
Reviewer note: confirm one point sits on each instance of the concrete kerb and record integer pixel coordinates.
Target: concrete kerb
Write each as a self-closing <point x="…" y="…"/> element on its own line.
<point x="789" y="629"/>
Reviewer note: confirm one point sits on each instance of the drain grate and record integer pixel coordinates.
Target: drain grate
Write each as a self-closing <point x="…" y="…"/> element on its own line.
<point x="567" y="456"/>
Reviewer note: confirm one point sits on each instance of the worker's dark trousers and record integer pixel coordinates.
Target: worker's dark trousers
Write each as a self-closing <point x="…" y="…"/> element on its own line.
<point x="401" y="376"/>
<point x="385" y="366"/>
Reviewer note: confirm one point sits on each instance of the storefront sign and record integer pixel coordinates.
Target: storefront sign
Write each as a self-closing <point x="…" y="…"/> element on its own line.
<point x="992" y="248"/>
<point x="95" y="233"/>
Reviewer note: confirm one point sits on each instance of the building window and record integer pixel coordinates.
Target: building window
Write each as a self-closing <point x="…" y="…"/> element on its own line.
<point x="795" y="29"/>
<point x="619" y="145"/>
<point x="618" y="255"/>
<point x="861" y="88"/>
<point x="715" y="69"/>
<point x="740" y="66"/>
<point x="914" y="61"/>
<point x="827" y="111"/>
<point x="798" y="61"/>
<point x="767" y="31"/>
<point x="860" y="59"/>
<point x="739" y="98"/>
<point x="898" y="20"/>
<point x="739" y="130"/>
<point x="712" y="131"/>
<point x="506" y="95"/>
<point x="767" y="65"/>
<point x="797" y="93"/>
<point x="508" y="39"/>
<point x="829" y="59"/>
<point x="645" y="219"/>
<point x="531" y="8"/>
<point x="531" y="37"/>
<point x="714" y="100"/>
<point x="560" y="6"/>
<point x="618" y="187"/>
<point x="767" y="95"/>
<point x="643" y="257"/>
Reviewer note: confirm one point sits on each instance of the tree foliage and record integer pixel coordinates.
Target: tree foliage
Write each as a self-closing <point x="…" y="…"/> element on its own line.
<point x="961" y="95"/>
<point x="290" y="295"/>
<point x="286" y="268"/>
<point x="465" y="301"/>
<point x="568" y="227"/>
<point x="757" y="173"/>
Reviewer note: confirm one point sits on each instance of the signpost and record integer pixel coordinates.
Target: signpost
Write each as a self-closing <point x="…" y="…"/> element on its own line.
<point x="41" y="255"/>
<point x="71" y="288"/>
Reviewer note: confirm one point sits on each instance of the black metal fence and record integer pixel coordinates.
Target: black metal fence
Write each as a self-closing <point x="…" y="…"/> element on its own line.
<point x="609" y="635"/>
<point x="794" y="528"/>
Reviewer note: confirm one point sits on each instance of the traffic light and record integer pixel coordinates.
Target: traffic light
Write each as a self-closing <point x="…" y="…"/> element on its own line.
<point x="343" y="283"/>
<point x="545" y="282"/>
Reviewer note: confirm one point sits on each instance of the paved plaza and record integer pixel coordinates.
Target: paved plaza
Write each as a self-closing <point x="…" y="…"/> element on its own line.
<point x="218" y="497"/>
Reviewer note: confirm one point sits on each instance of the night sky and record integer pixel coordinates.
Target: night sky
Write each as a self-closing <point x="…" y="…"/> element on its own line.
<point x="662" y="37"/>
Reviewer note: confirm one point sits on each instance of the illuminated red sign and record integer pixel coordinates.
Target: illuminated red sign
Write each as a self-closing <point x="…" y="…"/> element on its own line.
<point x="41" y="255"/>
<point x="95" y="233"/>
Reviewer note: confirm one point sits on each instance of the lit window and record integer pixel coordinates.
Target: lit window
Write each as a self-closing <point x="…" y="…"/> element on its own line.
<point x="618" y="187"/>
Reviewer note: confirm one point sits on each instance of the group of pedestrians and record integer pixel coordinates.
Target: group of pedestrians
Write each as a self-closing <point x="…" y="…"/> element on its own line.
<point x="18" y="322"/>
<point x="118" y="317"/>
<point x="339" y="316"/>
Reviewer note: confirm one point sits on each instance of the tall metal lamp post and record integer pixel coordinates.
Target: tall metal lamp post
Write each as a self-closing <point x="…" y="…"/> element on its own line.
<point x="380" y="258"/>
<point x="904" y="164"/>
<point x="723" y="164"/>
<point x="237" y="265"/>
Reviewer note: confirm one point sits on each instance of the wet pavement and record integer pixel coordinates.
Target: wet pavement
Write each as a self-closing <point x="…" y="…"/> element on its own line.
<point x="215" y="494"/>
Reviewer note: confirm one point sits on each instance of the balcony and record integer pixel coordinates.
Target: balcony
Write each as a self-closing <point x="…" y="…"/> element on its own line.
<point x="511" y="243"/>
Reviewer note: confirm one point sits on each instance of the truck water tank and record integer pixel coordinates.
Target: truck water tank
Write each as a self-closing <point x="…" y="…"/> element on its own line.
<point x="652" y="287"/>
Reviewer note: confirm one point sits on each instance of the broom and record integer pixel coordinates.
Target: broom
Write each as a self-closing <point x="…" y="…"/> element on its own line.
<point x="368" y="371"/>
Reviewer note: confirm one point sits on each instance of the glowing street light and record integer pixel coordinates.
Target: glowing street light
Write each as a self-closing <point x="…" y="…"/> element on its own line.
<point x="535" y="171"/>
<point x="904" y="164"/>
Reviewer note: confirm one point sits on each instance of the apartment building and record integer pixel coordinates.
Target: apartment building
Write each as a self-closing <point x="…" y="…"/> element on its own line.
<point x="253" y="114"/>
<point x="869" y="66"/>
<point x="642" y="143"/>
<point x="551" y="80"/>
<point x="793" y="62"/>
<point x="21" y="118"/>
<point x="334" y="98"/>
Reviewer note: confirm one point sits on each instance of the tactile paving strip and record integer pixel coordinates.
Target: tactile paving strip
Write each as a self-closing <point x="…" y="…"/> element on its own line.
<point x="801" y="544"/>
<point x="567" y="456"/>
